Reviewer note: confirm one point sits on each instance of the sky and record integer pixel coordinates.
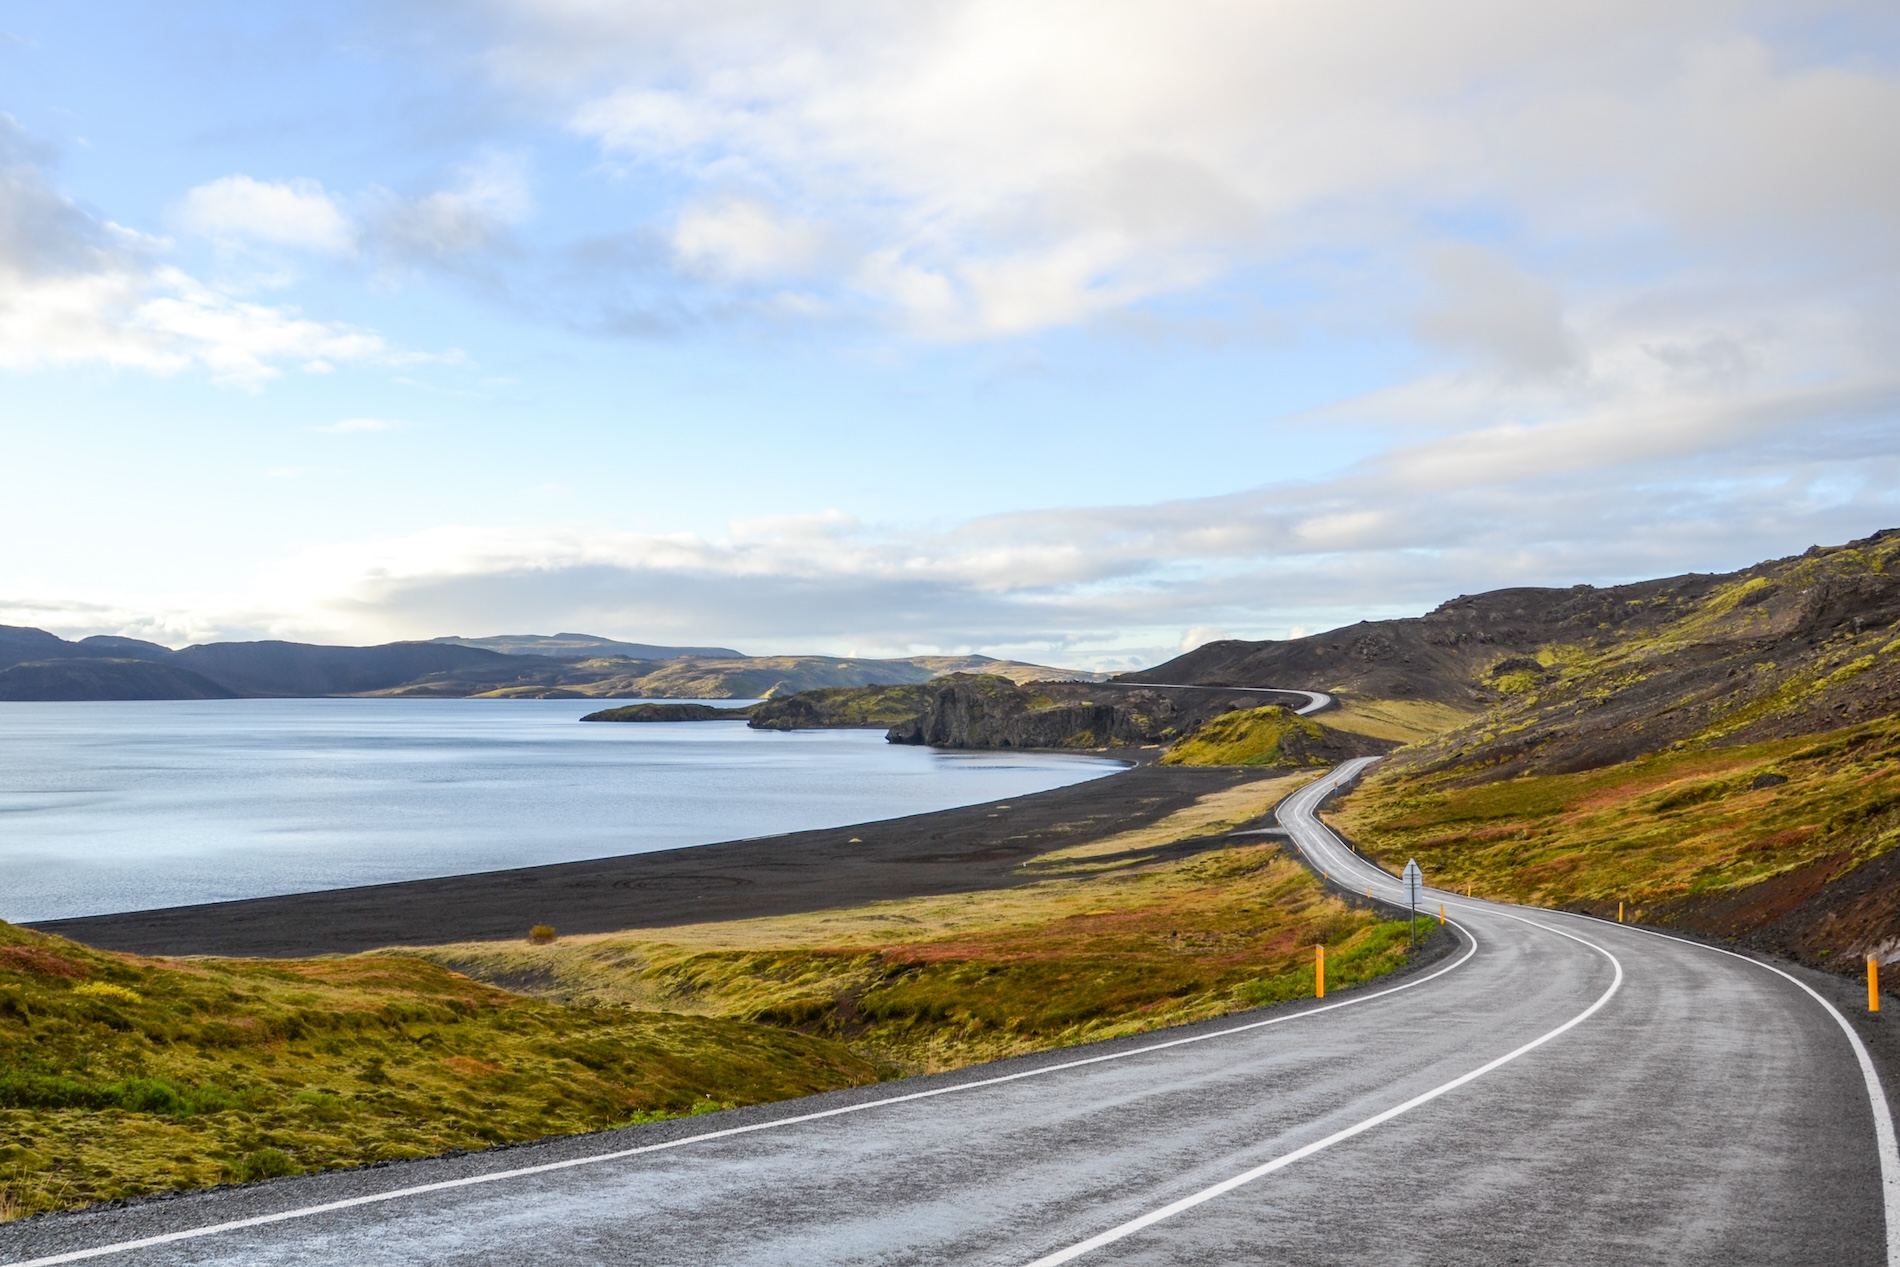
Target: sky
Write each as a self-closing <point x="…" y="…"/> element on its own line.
<point x="1076" y="332"/>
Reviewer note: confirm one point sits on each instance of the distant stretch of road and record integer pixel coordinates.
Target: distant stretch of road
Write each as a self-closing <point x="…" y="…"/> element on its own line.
<point x="1315" y="700"/>
<point x="1555" y="1091"/>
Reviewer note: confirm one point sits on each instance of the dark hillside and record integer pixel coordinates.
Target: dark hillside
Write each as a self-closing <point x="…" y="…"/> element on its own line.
<point x="1792" y="647"/>
<point x="223" y="669"/>
<point x="1444" y="654"/>
<point x="19" y="644"/>
<point x="105" y="680"/>
<point x="296" y="668"/>
<point x="108" y="646"/>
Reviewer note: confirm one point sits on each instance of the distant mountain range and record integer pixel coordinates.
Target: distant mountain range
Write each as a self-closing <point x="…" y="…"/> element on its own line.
<point x="573" y="644"/>
<point x="36" y="665"/>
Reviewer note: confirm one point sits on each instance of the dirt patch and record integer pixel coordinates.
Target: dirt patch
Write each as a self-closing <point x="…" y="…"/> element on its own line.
<point x="43" y="963"/>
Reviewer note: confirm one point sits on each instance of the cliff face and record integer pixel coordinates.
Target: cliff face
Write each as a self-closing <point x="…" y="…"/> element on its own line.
<point x="979" y="711"/>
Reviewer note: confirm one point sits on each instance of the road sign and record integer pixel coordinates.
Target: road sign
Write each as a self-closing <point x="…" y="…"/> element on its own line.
<point x="1414" y="881"/>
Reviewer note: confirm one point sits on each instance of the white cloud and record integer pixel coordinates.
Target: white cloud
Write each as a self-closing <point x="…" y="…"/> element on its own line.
<point x="1102" y="586"/>
<point x="1552" y="503"/>
<point x="1199" y="636"/>
<point x="297" y="213"/>
<point x="75" y="289"/>
<point x="1005" y="168"/>
<point x="473" y="214"/>
<point x="1511" y="321"/>
<point x="742" y="239"/>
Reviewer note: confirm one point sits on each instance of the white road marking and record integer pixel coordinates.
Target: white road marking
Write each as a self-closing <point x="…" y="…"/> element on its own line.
<point x="1298" y="804"/>
<point x="1281" y="1162"/>
<point x="1886" y="1142"/>
<point x="1884" y="1139"/>
<point x="469" y="1181"/>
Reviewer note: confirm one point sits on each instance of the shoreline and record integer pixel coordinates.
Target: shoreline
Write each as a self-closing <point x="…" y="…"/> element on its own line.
<point x="964" y="849"/>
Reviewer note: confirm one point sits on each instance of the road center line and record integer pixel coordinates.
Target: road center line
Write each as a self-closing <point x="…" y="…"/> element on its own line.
<point x="1281" y="1162"/>
<point x="469" y="1181"/>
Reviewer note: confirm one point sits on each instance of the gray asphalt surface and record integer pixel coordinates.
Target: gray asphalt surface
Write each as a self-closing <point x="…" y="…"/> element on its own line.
<point x="1315" y="700"/>
<point x="1635" y="1100"/>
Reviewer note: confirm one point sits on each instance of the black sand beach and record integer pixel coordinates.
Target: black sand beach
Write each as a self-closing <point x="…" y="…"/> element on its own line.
<point x="961" y="850"/>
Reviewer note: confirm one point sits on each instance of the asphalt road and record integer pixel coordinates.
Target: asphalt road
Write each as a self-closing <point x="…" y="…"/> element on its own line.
<point x="1558" y="1090"/>
<point x="1315" y="700"/>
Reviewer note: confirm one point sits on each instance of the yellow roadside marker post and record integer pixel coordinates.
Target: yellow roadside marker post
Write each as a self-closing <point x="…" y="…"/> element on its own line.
<point x="1319" y="972"/>
<point x="1441" y="912"/>
<point x="1873" y="984"/>
<point x="1368" y="890"/>
<point x="1619" y="912"/>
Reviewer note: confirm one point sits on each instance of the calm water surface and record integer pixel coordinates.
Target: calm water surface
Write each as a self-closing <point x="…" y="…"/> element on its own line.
<point x="127" y="806"/>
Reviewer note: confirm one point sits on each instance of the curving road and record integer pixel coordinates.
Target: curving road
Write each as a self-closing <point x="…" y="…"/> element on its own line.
<point x="1557" y="1090"/>
<point x="1315" y="700"/>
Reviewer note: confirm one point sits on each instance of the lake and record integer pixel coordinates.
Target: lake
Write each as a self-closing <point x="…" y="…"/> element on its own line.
<point x="133" y="805"/>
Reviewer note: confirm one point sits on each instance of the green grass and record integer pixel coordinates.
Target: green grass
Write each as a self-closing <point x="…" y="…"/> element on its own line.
<point x="1067" y="960"/>
<point x="1402" y="721"/>
<point x="1252" y="736"/>
<point x="1111" y="942"/>
<point x="121" y="1076"/>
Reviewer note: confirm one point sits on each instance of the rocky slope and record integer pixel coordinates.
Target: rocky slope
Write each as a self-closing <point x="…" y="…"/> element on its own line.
<point x="1445" y="654"/>
<point x="1725" y="757"/>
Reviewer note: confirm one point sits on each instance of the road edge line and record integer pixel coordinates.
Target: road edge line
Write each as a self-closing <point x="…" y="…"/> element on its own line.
<point x="1886" y="1145"/>
<point x="1124" y="1230"/>
<point x="469" y="1181"/>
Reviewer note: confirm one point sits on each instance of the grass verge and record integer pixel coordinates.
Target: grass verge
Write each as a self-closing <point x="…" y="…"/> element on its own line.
<point x="1113" y="942"/>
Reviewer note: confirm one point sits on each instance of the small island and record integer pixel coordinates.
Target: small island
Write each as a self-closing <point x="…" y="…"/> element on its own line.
<point x="669" y="712"/>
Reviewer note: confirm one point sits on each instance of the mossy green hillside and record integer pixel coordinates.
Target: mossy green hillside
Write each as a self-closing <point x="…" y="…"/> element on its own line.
<point x="1270" y="736"/>
<point x="121" y="1076"/>
<point x="1674" y="825"/>
<point x="863" y="706"/>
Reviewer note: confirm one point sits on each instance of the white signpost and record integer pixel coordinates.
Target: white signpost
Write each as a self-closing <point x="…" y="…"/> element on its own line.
<point x="1414" y="881"/>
